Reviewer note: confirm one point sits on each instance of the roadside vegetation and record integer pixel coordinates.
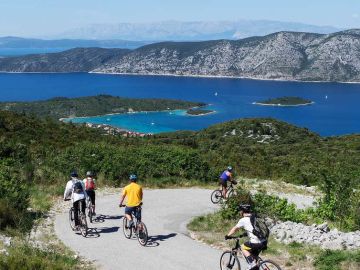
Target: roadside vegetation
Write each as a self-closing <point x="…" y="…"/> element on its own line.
<point x="37" y="155"/>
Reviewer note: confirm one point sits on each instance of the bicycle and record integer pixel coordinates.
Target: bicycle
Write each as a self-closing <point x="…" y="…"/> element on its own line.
<point x="217" y="195"/>
<point x="138" y="228"/>
<point x="82" y="220"/>
<point x="230" y="261"/>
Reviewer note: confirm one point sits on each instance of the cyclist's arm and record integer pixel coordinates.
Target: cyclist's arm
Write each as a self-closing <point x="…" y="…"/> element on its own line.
<point x="122" y="198"/>
<point x="68" y="190"/>
<point x="233" y="230"/>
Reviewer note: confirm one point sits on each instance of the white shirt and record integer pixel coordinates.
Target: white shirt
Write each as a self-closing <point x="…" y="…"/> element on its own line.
<point x="245" y="223"/>
<point x="69" y="190"/>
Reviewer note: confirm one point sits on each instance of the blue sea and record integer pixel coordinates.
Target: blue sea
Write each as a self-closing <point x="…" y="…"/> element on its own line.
<point x="336" y="110"/>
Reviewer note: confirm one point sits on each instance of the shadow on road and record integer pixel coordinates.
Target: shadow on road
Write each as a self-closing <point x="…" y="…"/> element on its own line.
<point x="95" y="232"/>
<point x="155" y="239"/>
<point x="101" y="218"/>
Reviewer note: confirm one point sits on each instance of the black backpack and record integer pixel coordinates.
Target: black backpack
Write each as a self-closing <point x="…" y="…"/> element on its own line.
<point x="260" y="230"/>
<point x="78" y="188"/>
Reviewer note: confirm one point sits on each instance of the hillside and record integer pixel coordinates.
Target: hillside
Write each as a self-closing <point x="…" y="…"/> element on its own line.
<point x="62" y="107"/>
<point x="278" y="56"/>
<point x="74" y="60"/>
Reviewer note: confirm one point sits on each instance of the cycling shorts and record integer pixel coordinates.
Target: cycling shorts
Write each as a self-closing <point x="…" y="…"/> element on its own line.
<point x="223" y="183"/>
<point x="254" y="248"/>
<point x="134" y="210"/>
<point x="91" y="194"/>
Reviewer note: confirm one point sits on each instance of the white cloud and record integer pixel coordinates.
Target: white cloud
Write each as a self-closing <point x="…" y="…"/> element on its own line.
<point x="355" y="15"/>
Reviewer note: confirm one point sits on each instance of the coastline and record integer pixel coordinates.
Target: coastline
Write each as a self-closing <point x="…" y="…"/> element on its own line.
<point x="201" y="114"/>
<point x="282" y="105"/>
<point x="176" y="75"/>
<point x="216" y="77"/>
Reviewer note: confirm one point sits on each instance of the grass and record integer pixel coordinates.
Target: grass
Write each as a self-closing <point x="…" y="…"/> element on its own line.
<point x="25" y="257"/>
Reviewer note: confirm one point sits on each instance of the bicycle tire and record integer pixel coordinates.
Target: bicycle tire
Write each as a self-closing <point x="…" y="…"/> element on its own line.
<point x="83" y="225"/>
<point x="268" y="265"/>
<point x="127" y="231"/>
<point x="90" y="212"/>
<point x="216" y="196"/>
<point x="229" y="261"/>
<point x="71" y="218"/>
<point x="142" y="234"/>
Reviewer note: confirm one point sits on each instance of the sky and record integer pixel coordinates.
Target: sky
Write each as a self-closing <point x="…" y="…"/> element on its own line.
<point x="36" y="18"/>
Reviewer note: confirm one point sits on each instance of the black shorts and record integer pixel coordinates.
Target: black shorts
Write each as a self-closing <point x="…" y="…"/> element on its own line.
<point x="136" y="211"/>
<point x="254" y="248"/>
<point x="223" y="183"/>
<point x="91" y="194"/>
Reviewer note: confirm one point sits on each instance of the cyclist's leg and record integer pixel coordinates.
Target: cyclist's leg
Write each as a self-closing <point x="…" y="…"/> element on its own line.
<point x="128" y="214"/>
<point x="76" y="213"/>
<point x="247" y="249"/>
<point x="224" y="188"/>
<point x="83" y="206"/>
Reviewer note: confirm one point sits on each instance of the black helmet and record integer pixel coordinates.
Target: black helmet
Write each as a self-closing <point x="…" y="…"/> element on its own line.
<point x="245" y="207"/>
<point x="74" y="174"/>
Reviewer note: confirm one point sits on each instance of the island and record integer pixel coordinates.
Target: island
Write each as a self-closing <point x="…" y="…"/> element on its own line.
<point x="198" y="112"/>
<point x="285" y="101"/>
<point x="63" y="107"/>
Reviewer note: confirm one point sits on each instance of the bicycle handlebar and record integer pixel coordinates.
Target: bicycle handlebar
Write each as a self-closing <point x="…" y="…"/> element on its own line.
<point x="235" y="237"/>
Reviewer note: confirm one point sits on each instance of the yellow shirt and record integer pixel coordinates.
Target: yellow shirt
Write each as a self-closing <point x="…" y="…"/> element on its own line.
<point x="134" y="194"/>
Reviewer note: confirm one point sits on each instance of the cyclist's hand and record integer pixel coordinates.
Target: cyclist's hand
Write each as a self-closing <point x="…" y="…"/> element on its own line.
<point x="227" y="237"/>
<point x="121" y="205"/>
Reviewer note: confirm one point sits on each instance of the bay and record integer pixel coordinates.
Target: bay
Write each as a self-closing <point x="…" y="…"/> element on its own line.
<point x="335" y="111"/>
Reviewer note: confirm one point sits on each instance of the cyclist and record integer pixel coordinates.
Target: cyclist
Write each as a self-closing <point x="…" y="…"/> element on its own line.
<point x="224" y="178"/>
<point x="134" y="194"/>
<point x="255" y="245"/>
<point x="75" y="191"/>
<point x="90" y="187"/>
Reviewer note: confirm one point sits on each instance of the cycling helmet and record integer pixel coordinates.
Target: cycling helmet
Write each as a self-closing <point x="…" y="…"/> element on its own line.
<point x="133" y="177"/>
<point x="229" y="168"/>
<point x="89" y="173"/>
<point x="245" y="207"/>
<point x="74" y="174"/>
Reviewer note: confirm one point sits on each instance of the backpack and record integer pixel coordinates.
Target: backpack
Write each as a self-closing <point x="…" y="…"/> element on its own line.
<point x="260" y="230"/>
<point x="89" y="184"/>
<point x="78" y="188"/>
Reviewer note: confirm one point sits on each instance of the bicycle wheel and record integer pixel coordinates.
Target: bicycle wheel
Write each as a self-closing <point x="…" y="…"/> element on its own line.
<point x="127" y="231"/>
<point x="83" y="225"/>
<point x="216" y="196"/>
<point x="142" y="234"/>
<point x="90" y="212"/>
<point x="268" y="265"/>
<point x="229" y="261"/>
<point x="71" y="218"/>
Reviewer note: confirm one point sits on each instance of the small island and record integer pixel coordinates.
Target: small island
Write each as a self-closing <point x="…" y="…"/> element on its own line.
<point x="198" y="112"/>
<point x="285" y="101"/>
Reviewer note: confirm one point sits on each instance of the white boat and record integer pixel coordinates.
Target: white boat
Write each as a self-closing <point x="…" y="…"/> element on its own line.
<point x="216" y="93"/>
<point x="326" y="97"/>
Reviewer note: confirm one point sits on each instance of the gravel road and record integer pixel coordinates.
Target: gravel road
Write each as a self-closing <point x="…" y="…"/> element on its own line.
<point x="166" y="213"/>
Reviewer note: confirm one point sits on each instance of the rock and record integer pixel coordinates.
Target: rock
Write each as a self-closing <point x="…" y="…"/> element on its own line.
<point x="324" y="227"/>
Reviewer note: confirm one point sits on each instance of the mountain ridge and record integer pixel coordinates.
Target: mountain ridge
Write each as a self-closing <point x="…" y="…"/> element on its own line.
<point x="283" y="55"/>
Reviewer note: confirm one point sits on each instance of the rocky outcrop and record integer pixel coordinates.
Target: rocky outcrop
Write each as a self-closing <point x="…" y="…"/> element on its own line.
<point x="282" y="56"/>
<point x="279" y="56"/>
<point x="319" y="235"/>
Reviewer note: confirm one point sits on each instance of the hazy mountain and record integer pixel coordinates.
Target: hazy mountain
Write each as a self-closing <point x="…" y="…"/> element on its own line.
<point x="17" y="42"/>
<point x="282" y="55"/>
<point x="191" y="31"/>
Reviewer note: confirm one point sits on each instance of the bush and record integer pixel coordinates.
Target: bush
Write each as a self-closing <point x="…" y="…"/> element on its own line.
<point x="14" y="196"/>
